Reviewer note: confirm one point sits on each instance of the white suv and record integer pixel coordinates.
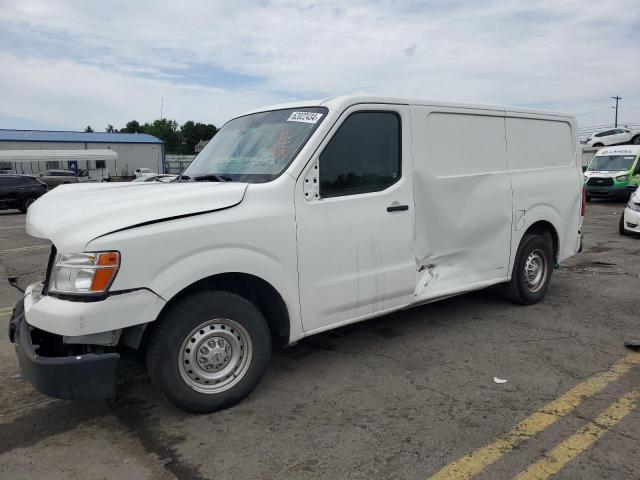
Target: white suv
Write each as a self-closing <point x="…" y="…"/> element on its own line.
<point x="615" y="136"/>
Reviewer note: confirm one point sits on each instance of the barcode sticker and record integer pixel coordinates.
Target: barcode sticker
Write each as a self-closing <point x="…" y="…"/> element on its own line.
<point x="305" y="117"/>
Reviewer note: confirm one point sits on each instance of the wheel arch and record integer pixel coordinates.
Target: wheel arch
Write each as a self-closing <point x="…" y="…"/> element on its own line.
<point x="258" y="291"/>
<point x="544" y="227"/>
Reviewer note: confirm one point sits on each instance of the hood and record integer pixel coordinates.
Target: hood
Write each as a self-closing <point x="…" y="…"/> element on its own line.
<point x="73" y="215"/>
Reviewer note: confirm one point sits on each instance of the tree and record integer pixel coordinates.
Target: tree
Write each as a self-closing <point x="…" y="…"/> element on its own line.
<point x="110" y="129"/>
<point x="192" y="133"/>
<point x="88" y="129"/>
<point x="167" y="131"/>
<point x="132" y="127"/>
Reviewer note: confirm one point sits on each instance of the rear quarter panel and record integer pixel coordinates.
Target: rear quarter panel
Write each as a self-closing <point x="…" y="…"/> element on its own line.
<point x="546" y="176"/>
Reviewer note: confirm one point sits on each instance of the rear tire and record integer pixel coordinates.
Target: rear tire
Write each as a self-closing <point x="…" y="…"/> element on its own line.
<point x="621" y="229"/>
<point x="587" y="197"/>
<point x="531" y="270"/>
<point x="636" y="140"/>
<point x="26" y="203"/>
<point x="209" y="351"/>
<point x="598" y="145"/>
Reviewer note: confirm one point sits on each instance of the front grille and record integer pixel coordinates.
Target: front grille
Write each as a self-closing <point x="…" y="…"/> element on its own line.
<point x="52" y="258"/>
<point x="600" y="182"/>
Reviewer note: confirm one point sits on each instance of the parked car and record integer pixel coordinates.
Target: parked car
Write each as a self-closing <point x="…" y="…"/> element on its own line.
<point x="19" y="191"/>
<point x="614" y="172"/>
<point x="294" y="221"/>
<point x="155" y="177"/>
<point x="630" y="218"/>
<point x="53" y="178"/>
<point x="94" y="175"/>
<point x="142" y="171"/>
<point x="615" y="136"/>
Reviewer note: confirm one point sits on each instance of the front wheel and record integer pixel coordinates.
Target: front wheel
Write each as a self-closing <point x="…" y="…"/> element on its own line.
<point x="636" y="140"/>
<point x="209" y="351"/>
<point x="532" y="270"/>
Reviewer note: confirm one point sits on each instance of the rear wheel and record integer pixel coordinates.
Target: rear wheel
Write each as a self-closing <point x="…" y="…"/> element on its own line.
<point x="636" y="140"/>
<point x="598" y="145"/>
<point x="532" y="269"/>
<point x="209" y="351"/>
<point x="26" y="203"/>
<point x="587" y="197"/>
<point x="621" y="229"/>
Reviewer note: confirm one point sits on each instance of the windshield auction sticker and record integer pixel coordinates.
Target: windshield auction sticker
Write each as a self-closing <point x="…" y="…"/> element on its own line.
<point x="306" y="117"/>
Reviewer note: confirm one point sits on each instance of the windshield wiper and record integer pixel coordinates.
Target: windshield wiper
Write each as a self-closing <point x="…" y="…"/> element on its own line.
<point x="210" y="177"/>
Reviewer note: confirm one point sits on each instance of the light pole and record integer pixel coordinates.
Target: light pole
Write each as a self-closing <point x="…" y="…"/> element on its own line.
<point x="617" y="99"/>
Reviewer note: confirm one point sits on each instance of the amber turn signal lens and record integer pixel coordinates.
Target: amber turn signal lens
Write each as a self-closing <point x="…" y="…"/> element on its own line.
<point x="103" y="276"/>
<point x="108" y="259"/>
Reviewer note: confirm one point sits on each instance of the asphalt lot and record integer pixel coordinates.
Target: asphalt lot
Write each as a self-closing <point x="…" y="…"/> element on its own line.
<point x="405" y="396"/>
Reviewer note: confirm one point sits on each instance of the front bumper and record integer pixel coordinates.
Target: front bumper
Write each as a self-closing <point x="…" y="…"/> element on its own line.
<point x="74" y="318"/>
<point x="610" y="192"/>
<point x="88" y="376"/>
<point x="631" y="220"/>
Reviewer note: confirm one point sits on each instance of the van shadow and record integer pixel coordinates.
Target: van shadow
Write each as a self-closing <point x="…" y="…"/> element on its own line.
<point x="139" y="400"/>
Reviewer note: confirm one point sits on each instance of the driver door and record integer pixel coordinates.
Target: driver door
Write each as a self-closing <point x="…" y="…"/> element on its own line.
<point x="355" y="218"/>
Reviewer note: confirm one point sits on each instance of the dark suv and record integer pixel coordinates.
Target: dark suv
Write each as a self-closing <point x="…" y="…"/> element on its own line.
<point x="19" y="191"/>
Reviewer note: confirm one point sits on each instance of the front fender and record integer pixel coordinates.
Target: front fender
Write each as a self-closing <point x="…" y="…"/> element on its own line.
<point x="187" y="270"/>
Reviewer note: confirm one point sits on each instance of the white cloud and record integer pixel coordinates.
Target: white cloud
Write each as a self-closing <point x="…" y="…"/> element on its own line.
<point x="562" y="54"/>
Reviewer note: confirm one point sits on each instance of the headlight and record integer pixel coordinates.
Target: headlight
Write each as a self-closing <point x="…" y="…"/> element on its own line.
<point x="633" y="205"/>
<point x="84" y="273"/>
<point x="622" y="178"/>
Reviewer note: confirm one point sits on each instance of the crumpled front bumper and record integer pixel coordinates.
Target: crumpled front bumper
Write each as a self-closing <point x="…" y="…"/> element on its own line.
<point x="89" y="376"/>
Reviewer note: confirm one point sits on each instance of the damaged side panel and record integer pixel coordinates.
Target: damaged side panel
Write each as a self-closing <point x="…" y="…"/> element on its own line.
<point x="463" y="195"/>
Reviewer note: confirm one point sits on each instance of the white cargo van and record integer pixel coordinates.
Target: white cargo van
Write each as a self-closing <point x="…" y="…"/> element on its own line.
<point x="295" y="219"/>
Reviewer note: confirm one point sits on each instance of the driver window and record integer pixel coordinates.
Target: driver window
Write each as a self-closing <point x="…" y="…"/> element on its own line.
<point x="363" y="155"/>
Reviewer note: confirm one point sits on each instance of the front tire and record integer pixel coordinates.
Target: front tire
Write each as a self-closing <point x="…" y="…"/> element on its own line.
<point x="209" y="351"/>
<point x="532" y="270"/>
<point x="636" y="140"/>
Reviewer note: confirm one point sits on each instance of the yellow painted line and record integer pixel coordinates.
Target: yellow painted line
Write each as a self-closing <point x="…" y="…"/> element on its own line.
<point x="476" y="461"/>
<point x="24" y="249"/>
<point x="553" y="461"/>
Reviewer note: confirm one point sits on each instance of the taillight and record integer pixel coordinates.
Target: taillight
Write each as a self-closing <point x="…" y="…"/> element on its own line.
<point x="583" y="208"/>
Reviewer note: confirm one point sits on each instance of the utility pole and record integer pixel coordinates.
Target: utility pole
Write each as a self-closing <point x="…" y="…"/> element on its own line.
<point x="162" y="105"/>
<point x="617" y="99"/>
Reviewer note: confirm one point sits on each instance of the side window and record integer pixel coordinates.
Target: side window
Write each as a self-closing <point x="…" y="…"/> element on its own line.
<point x="101" y="164"/>
<point x="8" y="181"/>
<point x="363" y="155"/>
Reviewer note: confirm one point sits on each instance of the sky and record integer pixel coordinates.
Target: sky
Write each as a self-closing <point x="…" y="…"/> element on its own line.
<point x="68" y="64"/>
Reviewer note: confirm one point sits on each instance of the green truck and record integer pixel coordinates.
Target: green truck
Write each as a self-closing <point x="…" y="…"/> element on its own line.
<point x="614" y="172"/>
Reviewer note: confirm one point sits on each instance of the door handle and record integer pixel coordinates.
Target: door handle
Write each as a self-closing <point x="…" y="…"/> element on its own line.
<point x="396" y="207"/>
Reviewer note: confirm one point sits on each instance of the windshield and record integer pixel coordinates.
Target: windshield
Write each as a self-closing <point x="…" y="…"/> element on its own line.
<point x="612" y="163"/>
<point x="256" y="148"/>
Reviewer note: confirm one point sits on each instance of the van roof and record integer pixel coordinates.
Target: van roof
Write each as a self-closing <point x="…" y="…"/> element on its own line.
<point x="342" y="102"/>
<point x="619" y="150"/>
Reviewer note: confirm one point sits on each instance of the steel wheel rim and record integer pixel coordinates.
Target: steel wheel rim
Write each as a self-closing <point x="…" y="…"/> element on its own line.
<point x="535" y="270"/>
<point x="215" y="356"/>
